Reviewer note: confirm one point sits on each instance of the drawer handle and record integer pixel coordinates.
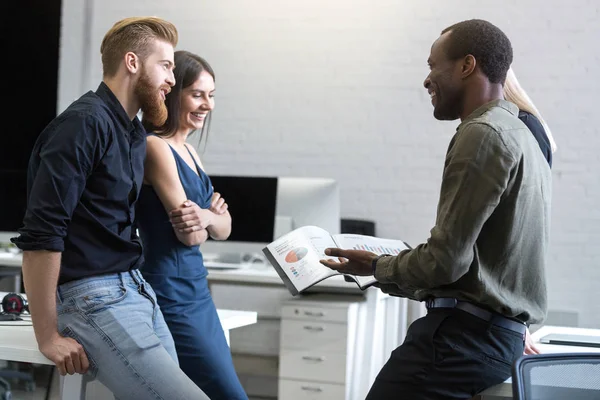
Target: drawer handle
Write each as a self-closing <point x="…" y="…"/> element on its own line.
<point x="311" y="389"/>
<point x="314" y="328"/>
<point x="309" y="358"/>
<point x="314" y="314"/>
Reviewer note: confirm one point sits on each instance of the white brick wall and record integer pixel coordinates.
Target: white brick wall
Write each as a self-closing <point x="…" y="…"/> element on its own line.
<point x="334" y="88"/>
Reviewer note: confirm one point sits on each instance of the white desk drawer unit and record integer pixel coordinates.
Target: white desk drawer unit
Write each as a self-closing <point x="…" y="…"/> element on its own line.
<point x="314" y="335"/>
<point x="315" y="312"/>
<point x="313" y="346"/>
<point x="313" y="359"/>
<point x="289" y="389"/>
<point x="318" y="366"/>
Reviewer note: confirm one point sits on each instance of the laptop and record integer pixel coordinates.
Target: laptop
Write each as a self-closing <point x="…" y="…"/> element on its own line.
<point x="566" y="339"/>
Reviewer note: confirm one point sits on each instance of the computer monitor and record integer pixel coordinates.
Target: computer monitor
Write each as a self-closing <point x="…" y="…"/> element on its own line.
<point x="252" y="203"/>
<point x="264" y="208"/>
<point x="308" y="201"/>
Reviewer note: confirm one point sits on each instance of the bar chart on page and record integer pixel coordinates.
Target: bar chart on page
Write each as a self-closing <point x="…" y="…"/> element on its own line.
<point x="370" y="243"/>
<point x="377" y="249"/>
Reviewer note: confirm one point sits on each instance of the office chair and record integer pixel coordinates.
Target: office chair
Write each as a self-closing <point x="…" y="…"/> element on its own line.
<point x="561" y="376"/>
<point x="5" y="394"/>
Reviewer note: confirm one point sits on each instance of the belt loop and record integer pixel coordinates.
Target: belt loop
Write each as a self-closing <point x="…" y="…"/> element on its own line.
<point x="135" y="278"/>
<point x="139" y="275"/>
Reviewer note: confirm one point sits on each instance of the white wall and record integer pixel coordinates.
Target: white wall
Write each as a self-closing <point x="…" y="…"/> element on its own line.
<point x="334" y="88"/>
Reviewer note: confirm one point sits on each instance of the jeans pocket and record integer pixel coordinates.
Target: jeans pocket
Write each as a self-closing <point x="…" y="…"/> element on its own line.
<point x="98" y="298"/>
<point x="93" y="367"/>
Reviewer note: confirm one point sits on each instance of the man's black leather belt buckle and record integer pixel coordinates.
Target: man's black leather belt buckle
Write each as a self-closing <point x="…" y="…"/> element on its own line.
<point x="441" y="302"/>
<point x="495" y="319"/>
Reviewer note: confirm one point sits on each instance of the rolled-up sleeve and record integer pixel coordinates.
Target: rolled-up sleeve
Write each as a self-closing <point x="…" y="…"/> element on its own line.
<point x="58" y="170"/>
<point x="476" y="174"/>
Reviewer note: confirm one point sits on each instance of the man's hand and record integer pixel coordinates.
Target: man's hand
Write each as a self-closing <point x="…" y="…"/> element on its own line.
<point x="189" y="217"/>
<point x="530" y="345"/>
<point x="66" y="353"/>
<point x="217" y="204"/>
<point x="354" y="262"/>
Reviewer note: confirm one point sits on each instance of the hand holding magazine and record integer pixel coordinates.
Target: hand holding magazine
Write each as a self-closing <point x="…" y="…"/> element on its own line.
<point x="296" y="256"/>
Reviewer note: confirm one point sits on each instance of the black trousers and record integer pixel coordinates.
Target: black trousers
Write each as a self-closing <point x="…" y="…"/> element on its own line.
<point x="448" y="354"/>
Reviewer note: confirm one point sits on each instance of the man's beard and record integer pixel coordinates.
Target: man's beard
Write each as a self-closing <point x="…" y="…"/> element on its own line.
<point x="152" y="104"/>
<point x="449" y="106"/>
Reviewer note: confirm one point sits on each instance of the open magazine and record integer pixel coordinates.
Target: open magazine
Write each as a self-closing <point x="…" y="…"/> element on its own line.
<point x="296" y="255"/>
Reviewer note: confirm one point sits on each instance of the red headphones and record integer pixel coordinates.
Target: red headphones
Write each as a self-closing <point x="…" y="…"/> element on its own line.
<point x="14" y="303"/>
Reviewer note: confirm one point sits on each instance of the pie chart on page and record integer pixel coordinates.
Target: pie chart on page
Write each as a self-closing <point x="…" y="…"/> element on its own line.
<point x="296" y="254"/>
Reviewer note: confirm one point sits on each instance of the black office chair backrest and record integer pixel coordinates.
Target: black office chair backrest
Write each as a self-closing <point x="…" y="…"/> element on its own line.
<point x="564" y="376"/>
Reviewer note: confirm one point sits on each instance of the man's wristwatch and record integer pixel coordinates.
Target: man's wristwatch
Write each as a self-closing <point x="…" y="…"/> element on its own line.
<point x="374" y="262"/>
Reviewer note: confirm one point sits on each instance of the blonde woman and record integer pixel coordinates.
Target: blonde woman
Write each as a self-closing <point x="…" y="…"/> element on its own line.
<point x="529" y="114"/>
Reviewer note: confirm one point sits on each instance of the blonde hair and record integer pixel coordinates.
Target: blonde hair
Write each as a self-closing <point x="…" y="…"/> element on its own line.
<point x="514" y="93"/>
<point x="135" y="34"/>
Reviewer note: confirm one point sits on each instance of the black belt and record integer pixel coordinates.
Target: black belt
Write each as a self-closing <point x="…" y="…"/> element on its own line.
<point x="493" y="318"/>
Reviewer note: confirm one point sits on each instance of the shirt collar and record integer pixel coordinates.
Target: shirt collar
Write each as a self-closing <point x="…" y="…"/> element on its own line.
<point x="507" y="105"/>
<point x="128" y="125"/>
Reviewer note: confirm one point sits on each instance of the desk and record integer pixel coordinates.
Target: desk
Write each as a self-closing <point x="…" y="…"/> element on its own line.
<point x="10" y="259"/>
<point x="262" y="274"/>
<point x="17" y="343"/>
<point x="318" y="344"/>
<point x="504" y="390"/>
<point x="266" y="275"/>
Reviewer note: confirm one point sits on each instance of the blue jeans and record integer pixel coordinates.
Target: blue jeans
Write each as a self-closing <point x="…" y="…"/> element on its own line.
<point x="118" y="322"/>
